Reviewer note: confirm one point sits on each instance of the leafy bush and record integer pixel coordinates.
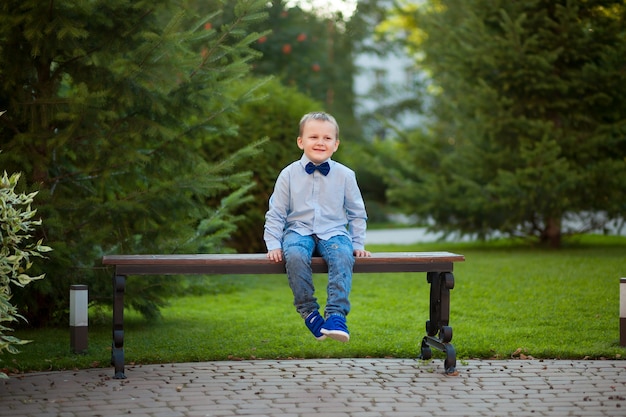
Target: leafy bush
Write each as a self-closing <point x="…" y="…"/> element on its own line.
<point x="16" y="250"/>
<point x="275" y="114"/>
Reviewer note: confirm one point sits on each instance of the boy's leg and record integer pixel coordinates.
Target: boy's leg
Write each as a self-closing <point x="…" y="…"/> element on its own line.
<point x="297" y="251"/>
<point x="339" y="256"/>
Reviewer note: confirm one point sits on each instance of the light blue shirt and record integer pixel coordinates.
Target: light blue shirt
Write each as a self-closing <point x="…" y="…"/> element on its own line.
<point x="314" y="204"/>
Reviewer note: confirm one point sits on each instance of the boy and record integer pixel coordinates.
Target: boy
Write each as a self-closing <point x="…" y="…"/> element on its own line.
<point x="314" y="199"/>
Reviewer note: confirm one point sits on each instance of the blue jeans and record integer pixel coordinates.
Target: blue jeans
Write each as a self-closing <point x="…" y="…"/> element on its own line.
<point x="338" y="254"/>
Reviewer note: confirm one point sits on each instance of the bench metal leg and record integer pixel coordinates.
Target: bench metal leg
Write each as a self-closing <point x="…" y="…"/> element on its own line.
<point x="438" y="332"/>
<point x="117" y="350"/>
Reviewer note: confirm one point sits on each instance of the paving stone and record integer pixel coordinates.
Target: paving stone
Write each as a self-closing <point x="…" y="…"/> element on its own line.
<point x="329" y="387"/>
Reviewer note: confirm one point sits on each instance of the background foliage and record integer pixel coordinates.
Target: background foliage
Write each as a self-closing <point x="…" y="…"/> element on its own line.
<point x="113" y="110"/>
<point x="527" y="102"/>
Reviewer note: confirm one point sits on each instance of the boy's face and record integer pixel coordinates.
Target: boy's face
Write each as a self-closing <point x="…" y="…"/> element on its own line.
<point x="318" y="141"/>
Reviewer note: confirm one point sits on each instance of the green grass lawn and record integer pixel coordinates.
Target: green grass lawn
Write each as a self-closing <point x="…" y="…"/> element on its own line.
<point x="508" y="299"/>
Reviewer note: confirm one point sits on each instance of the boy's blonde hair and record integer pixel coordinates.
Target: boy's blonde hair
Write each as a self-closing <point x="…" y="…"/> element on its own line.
<point x="319" y="115"/>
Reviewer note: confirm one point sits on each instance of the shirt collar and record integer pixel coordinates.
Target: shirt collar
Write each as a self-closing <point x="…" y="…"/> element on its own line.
<point x="304" y="160"/>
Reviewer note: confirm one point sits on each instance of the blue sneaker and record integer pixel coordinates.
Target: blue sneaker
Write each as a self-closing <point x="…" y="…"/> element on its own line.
<point x="314" y="321"/>
<point x="335" y="327"/>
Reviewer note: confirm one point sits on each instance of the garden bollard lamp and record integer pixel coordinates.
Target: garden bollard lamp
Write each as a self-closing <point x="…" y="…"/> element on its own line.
<point x="78" y="318"/>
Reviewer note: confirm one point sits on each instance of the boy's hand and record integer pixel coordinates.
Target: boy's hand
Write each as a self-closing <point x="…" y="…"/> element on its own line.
<point x="362" y="253"/>
<point x="275" y="255"/>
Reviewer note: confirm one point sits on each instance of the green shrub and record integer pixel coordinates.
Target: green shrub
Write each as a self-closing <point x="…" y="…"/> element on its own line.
<point x="274" y="114"/>
<point x="16" y="250"/>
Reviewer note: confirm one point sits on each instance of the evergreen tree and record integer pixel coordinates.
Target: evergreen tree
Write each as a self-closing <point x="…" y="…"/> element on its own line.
<point x="113" y="111"/>
<point x="529" y="111"/>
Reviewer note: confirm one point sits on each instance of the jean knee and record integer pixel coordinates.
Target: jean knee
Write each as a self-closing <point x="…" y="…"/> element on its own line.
<point x="296" y="258"/>
<point x="297" y="252"/>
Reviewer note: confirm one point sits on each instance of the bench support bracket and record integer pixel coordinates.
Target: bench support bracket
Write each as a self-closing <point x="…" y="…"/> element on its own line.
<point x="438" y="332"/>
<point x="117" y="350"/>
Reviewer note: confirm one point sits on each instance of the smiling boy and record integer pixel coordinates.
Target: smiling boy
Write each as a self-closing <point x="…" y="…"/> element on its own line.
<point x="317" y="209"/>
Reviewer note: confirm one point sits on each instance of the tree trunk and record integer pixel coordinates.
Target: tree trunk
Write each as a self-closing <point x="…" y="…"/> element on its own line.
<point x="552" y="232"/>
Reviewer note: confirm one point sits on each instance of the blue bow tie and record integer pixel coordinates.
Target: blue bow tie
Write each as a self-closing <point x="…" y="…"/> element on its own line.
<point x="323" y="168"/>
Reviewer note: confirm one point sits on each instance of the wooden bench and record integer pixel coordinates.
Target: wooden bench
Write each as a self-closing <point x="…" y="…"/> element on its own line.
<point x="436" y="265"/>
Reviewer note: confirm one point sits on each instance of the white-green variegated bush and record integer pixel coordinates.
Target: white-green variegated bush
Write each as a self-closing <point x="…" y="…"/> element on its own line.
<point x="17" y="221"/>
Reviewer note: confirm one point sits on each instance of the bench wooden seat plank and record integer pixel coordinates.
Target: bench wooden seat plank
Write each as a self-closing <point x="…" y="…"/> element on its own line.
<point x="437" y="265"/>
<point x="258" y="263"/>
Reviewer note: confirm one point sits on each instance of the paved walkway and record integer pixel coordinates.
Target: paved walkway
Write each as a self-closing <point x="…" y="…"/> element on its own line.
<point x="325" y="387"/>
